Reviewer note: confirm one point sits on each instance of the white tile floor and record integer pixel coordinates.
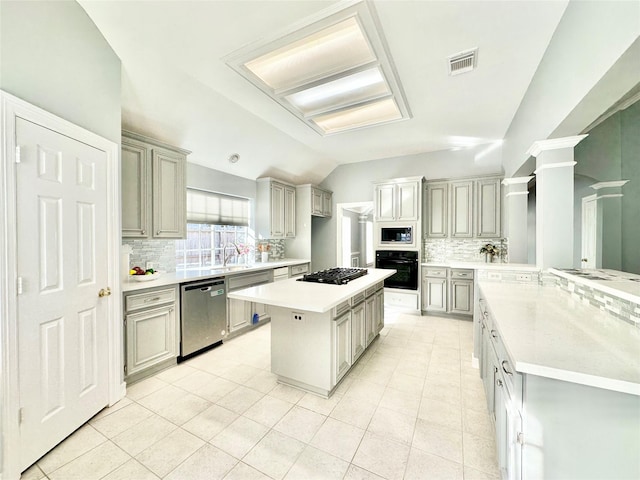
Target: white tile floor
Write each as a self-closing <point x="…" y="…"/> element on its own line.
<point x="411" y="408"/>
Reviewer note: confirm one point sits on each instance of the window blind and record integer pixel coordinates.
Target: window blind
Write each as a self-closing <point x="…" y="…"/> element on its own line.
<point x="217" y="208"/>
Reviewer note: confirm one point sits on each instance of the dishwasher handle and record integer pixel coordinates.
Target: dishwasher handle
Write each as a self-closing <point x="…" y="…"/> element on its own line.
<point x="205" y="286"/>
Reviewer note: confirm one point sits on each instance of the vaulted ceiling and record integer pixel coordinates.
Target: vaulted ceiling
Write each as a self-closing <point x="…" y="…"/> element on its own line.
<point x="177" y="87"/>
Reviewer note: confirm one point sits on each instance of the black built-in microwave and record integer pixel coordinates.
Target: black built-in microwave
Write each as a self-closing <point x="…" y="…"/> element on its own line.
<point x="396" y="235"/>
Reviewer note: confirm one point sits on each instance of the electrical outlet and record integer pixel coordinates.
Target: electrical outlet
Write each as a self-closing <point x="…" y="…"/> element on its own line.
<point x="297" y="316"/>
<point x="495" y="276"/>
<point x="523" y="277"/>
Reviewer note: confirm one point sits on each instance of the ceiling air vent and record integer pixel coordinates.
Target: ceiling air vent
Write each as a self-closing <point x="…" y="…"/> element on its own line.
<point x="463" y="62"/>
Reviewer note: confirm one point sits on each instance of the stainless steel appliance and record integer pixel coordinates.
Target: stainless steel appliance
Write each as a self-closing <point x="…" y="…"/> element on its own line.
<point x="406" y="265"/>
<point x="204" y="315"/>
<point x="334" y="276"/>
<point x="396" y="235"/>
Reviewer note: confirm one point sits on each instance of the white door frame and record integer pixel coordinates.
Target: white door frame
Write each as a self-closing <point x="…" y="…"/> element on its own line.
<point x="10" y="108"/>
<point x="596" y="260"/>
<point x="340" y="207"/>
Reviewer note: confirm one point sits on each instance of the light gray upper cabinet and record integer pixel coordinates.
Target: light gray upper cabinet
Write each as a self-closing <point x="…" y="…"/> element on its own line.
<point x="437" y="200"/>
<point x="153" y="188"/>
<point x="462" y="209"/>
<point x="398" y="200"/>
<point x="275" y="209"/>
<point x="488" y="208"/>
<point x="321" y="202"/>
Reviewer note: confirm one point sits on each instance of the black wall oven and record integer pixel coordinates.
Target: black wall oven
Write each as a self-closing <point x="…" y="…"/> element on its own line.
<point x="406" y="264"/>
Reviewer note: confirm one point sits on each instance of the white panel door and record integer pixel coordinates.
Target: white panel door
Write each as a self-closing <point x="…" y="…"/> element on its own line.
<point x="590" y="232"/>
<point x="62" y="263"/>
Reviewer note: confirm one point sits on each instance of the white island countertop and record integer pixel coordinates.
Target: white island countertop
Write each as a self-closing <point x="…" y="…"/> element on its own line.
<point x="549" y="333"/>
<point x="309" y="296"/>
<point x="174" y="278"/>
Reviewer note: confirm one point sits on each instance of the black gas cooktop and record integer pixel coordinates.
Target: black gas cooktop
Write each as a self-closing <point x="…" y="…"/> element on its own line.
<point x="335" y="276"/>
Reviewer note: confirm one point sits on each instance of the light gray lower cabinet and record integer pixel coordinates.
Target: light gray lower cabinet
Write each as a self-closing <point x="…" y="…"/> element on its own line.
<point x="434" y="290"/>
<point x="153" y="184"/>
<point x="358" y="331"/>
<point x="447" y="290"/>
<point x="151" y="333"/>
<point x="239" y="312"/>
<point x="379" y="311"/>
<point x="341" y="332"/>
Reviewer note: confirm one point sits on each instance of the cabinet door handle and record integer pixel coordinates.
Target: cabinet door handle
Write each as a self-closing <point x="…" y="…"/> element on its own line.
<point x="158" y="232"/>
<point x="493" y="334"/>
<point x="504" y="369"/>
<point x="147" y="300"/>
<point x="498" y="382"/>
<point x="143" y="232"/>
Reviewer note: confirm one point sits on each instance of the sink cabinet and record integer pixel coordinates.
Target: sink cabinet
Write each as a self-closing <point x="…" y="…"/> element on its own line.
<point x="275" y="209"/>
<point x="151" y="334"/>
<point x="239" y="312"/>
<point x="153" y="188"/>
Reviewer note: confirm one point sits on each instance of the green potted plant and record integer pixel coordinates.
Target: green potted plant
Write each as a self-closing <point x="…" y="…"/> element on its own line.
<point x="489" y="250"/>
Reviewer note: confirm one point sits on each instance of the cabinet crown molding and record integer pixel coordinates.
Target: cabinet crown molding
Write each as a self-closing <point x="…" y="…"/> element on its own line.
<point x="157" y="143"/>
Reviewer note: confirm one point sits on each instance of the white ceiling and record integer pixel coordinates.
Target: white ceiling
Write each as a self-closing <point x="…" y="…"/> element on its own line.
<point x="177" y="88"/>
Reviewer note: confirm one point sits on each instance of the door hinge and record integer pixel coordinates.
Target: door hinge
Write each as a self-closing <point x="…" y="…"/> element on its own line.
<point x="19" y="285"/>
<point x="18" y="158"/>
<point x="20" y="415"/>
<point x="520" y="438"/>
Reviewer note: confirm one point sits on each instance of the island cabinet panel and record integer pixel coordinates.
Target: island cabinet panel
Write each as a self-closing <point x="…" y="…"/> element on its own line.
<point x="370" y="319"/>
<point x="358" y="331"/>
<point x="342" y="345"/>
<point x="379" y="311"/>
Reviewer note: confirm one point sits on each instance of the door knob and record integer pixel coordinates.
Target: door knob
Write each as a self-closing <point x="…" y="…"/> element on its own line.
<point x="104" y="292"/>
<point x="584" y="260"/>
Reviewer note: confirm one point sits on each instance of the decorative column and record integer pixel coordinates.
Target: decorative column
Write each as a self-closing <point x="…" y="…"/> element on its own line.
<point x="516" y="210"/>
<point x="554" y="201"/>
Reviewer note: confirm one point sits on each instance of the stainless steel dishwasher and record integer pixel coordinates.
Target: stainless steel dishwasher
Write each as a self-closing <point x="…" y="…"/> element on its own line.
<point x="203" y="315"/>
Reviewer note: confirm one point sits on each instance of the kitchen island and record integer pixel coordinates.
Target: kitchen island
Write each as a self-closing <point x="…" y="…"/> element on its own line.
<point x="318" y="331"/>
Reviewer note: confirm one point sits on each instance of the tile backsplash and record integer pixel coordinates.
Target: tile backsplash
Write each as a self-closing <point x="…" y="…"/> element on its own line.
<point x="161" y="252"/>
<point x="462" y="250"/>
<point x="276" y="249"/>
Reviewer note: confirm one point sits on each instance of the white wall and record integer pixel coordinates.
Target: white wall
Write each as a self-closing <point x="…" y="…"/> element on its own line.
<point x="53" y="56"/>
<point x="589" y="40"/>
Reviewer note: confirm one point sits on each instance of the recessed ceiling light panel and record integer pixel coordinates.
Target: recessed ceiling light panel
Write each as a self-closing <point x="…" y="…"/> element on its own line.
<point x="331" y="50"/>
<point x="382" y="111"/>
<point x="334" y="73"/>
<point x="349" y="90"/>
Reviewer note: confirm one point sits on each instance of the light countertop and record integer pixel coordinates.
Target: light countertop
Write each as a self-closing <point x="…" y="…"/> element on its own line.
<point x="174" y="278"/>
<point x="521" y="267"/>
<point x="619" y="284"/>
<point x="549" y="333"/>
<point x="309" y="296"/>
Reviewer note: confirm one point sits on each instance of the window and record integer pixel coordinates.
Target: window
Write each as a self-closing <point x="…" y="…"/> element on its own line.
<point x="217" y="227"/>
<point x="205" y="244"/>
